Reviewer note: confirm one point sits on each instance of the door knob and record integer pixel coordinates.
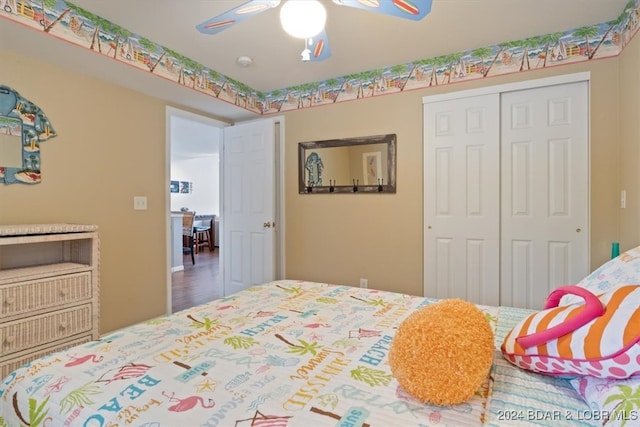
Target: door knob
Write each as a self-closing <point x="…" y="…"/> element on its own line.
<point x="266" y="225"/>
<point x="578" y="230"/>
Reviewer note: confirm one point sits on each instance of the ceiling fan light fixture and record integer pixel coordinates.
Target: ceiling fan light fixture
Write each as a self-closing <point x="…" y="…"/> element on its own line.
<point x="303" y="18"/>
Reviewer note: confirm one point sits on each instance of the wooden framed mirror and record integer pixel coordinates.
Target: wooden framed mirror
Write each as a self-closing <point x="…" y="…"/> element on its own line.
<point x="348" y="165"/>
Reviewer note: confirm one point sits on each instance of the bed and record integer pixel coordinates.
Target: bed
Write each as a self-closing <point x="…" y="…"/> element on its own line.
<point x="286" y="353"/>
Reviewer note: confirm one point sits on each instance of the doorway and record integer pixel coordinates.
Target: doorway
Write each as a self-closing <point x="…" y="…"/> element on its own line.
<point x="194" y="172"/>
<point x="255" y="133"/>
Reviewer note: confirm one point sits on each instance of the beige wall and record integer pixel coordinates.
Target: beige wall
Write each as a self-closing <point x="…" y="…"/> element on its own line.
<point x="630" y="147"/>
<point x="343" y="237"/>
<point x="111" y="146"/>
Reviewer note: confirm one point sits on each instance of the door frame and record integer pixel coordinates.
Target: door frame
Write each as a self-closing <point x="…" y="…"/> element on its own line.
<point x="279" y="128"/>
<point x="498" y="89"/>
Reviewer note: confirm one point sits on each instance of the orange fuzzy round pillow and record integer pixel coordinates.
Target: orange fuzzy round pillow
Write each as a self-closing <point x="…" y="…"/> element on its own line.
<point x="442" y="353"/>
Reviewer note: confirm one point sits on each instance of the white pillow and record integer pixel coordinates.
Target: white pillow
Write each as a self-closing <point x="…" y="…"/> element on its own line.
<point x="620" y="271"/>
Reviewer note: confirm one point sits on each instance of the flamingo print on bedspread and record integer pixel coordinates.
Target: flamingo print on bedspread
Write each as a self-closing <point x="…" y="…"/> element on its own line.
<point x="187" y="403"/>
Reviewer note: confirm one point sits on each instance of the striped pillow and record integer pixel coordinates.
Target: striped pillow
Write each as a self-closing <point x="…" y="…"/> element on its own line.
<point x="596" y="337"/>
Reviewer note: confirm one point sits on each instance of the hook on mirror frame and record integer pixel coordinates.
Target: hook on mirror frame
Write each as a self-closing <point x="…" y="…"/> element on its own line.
<point x="380" y="184"/>
<point x="356" y="182"/>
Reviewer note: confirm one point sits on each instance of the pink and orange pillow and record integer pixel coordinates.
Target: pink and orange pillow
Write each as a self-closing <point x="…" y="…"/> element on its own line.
<point x="596" y="337"/>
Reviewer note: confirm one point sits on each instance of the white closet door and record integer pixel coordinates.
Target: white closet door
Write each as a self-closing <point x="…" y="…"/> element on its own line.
<point x="461" y="208"/>
<point x="545" y="192"/>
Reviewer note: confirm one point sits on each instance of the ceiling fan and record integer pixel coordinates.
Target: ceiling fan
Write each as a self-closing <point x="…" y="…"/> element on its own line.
<point x="296" y="12"/>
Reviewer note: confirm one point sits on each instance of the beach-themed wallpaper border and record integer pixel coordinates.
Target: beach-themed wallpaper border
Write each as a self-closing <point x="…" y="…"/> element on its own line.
<point x="68" y="22"/>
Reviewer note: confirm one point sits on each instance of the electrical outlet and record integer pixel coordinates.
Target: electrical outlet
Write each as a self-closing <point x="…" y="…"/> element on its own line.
<point x="364" y="283"/>
<point x="140" y="203"/>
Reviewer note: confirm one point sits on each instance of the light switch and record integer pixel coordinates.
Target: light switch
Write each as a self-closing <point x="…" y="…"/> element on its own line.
<point x="140" y="203"/>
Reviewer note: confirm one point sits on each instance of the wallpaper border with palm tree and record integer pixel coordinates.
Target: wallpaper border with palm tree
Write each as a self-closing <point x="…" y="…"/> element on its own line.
<point x="66" y="21"/>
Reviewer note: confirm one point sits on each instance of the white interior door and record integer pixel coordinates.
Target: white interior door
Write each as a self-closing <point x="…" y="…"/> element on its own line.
<point x="545" y="191"/>
<point x="247" y="221"/>
<point x="461" y="211"/>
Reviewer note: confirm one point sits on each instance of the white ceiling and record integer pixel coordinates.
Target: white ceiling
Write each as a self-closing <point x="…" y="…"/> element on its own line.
<point x="360" y="40"/>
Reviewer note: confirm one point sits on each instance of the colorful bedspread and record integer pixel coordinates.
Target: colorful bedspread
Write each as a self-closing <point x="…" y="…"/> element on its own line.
<point x="287" y="353"/>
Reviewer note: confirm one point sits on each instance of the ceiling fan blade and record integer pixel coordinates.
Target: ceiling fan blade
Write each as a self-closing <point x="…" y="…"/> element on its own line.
<point x="408" y="9"/>
<point x="319" y="48"/>
<point x="237" y="14"/>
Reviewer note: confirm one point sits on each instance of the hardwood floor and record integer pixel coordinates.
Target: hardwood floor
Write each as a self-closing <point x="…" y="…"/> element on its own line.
<point x="198" y="283"/>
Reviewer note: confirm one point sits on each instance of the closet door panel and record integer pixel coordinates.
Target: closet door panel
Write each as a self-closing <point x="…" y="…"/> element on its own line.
<point x="545" y="191"/>
<point x="461" y="183"/>
<point x="521" y="179"/>
<point x="518" y="289"/>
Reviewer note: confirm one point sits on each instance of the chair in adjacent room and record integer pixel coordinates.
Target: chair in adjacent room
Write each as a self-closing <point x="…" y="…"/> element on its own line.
<point x="205" y="235"/>
<point x="188" y="236"/>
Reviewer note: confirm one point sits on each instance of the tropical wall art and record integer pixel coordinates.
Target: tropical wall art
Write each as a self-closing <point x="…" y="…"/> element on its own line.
<point x="68" y="22"/>
<point x="23" y="126"/>
<point x="184" y="187"/>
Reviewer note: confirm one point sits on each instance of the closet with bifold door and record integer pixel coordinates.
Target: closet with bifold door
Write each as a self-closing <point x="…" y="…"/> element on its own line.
<point x="506" y="191"/>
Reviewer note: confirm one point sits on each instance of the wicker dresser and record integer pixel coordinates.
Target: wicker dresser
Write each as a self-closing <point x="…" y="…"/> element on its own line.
<point x="49" y="293"/>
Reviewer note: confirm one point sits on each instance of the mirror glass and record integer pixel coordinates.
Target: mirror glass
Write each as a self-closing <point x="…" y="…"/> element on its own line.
<point x="10" y="142"/>
<point x="349" y="165"/>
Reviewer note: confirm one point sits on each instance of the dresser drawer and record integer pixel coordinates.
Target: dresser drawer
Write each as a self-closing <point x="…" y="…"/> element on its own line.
<point x="33" y="331"/>
<point x="10" y="365"/>
<point x="35" y="295"/>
